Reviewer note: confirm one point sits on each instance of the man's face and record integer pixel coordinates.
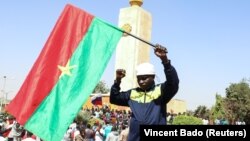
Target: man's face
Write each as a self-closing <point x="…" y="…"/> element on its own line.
<point x="145" y="81"/>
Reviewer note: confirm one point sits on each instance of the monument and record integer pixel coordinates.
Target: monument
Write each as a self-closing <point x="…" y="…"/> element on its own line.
<point x="130" y="51"/>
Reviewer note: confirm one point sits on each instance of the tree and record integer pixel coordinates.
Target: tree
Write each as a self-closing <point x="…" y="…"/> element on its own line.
<point x="101" y="88"/>
<point x="218" y="111"/>
<point x="202" y="112"/>
<point x="237" y="101"/>
<point x="83" y="116"/>
<point x="189" y="113"/>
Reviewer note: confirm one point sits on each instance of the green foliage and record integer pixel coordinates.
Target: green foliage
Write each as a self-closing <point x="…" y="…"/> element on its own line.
<point x="190" y="113"/>
<point x="101" y="88"/>
<point x="236" y="104"/>
<point x="202" y="112"/>
<point x="187" y="120"/>
<point x="83" y="116"/>
<point x="93" y="120"/>
<point x="237" y="101"/>
<point x="218" y="111"/>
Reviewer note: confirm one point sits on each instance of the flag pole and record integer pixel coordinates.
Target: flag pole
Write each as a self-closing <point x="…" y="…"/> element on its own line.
<point x="153" y="45"/>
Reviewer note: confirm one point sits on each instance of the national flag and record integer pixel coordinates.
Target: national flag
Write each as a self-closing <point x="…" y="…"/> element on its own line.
<point x="96" y="99"/>
<point x="65" y="73"/>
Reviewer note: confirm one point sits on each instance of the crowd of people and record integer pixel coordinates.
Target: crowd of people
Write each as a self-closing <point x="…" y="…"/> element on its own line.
<point x="111" y="125"/>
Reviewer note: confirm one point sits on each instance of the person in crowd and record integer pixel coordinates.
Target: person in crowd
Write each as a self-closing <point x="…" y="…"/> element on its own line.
<point x="113" y="135"/>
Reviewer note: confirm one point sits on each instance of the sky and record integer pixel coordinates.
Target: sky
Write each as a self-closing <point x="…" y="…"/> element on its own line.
<point x="208" y="41"/>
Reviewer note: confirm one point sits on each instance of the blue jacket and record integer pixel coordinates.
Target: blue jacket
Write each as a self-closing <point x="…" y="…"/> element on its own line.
<point x="148" y="107"/>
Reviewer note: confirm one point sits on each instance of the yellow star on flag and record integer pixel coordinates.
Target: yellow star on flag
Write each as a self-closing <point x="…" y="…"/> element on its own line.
<point x="66" y="70"/>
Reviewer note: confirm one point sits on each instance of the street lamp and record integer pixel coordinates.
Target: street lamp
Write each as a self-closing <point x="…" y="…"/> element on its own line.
<point x="4" y="82"/>
<point x="6" y="95"/>
<point x="3" y="92"/>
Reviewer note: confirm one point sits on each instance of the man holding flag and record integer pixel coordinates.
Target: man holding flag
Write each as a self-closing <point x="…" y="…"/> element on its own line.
<point x="148" y="101"/>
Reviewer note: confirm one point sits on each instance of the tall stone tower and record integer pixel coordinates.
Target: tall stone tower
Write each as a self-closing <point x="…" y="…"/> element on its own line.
<point x="130" y="51"/>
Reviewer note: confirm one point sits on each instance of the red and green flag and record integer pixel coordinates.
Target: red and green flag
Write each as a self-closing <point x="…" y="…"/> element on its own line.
<point x="64" y="75"/>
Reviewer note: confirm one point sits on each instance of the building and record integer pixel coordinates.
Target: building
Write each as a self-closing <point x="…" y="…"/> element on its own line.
<point x="175" y="106"/>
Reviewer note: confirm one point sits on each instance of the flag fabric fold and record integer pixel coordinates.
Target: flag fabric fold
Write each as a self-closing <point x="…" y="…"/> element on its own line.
<point x="65" y="73"/>
<point x="96" y="99"/>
